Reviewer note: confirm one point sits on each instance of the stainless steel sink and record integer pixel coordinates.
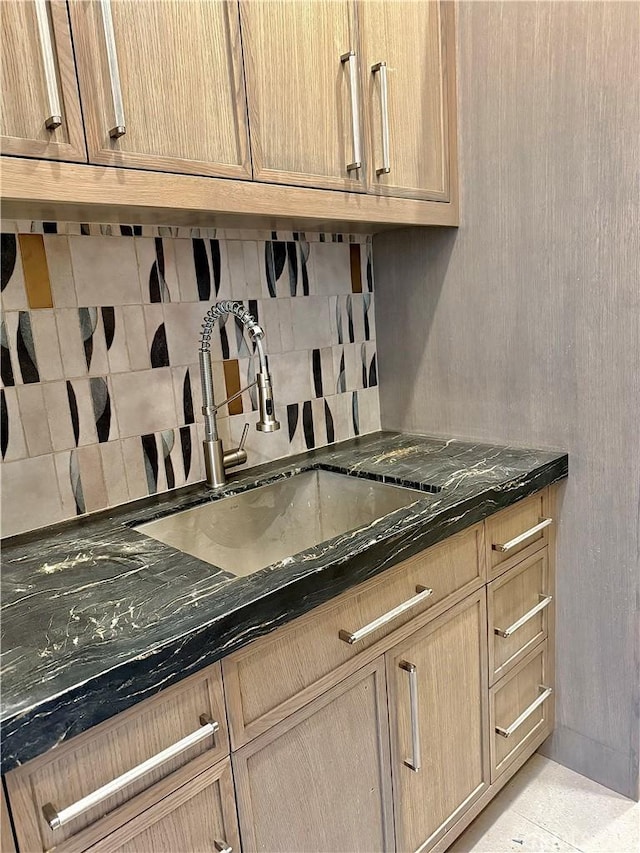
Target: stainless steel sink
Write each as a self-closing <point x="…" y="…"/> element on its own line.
<point x="249" y="531"/>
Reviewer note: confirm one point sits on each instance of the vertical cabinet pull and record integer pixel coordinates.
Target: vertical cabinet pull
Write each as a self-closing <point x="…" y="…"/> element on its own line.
<point x="350" y="57"/>
<point x="381" y="68"/>
<point x="54" y="117"/>
<point x="414" y="763"/>
<point x="119" y="128"/>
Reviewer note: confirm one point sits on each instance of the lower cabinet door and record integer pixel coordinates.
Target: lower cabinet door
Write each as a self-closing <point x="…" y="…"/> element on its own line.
<point x="197" y="817"/>
<point x="321" y="779"/>
<point x="438" y="708"/>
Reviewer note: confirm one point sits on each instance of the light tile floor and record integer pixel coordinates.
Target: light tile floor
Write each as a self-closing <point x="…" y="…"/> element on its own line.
<point x="545" y="808"/>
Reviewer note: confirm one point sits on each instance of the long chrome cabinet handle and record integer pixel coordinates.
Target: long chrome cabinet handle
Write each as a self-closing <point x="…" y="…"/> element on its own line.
<point x="222" y="847"/>
<point x="547" y="691"/>
<point x="54" y="119"/>
<point x="414" y="763"/>
<point x="56" y="818"/>
<point x="350" y="57"/>
<point x="353" y="637"/>
<point x="545" y="601"/>
<point x="381" y="68"/>
<point x="119" y="129"/>
<point x="512" y="543"/>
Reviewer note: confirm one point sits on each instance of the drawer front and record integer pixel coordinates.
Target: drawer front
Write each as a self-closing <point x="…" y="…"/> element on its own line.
<point x="64" y="776"/>
<point x="199" y="814"/>
<point x="517" y="532"/>
<point x="522" y="707"/>
<point x="519" y="605"/>
<point x="277" y="674"/>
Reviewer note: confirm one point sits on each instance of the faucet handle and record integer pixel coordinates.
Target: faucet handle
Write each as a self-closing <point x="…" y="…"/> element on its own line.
<point x="245" y="432"/>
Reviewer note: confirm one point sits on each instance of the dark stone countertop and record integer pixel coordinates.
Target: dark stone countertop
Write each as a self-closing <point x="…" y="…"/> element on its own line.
<point x="97" y="617"/>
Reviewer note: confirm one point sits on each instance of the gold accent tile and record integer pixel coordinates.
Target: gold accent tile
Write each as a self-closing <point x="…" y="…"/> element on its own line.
<point x="35" y="270"/>
<point x="232" y="384"/>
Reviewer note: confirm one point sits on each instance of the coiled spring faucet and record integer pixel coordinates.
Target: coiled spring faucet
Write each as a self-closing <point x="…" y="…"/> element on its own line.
<point x="216" y="459"/>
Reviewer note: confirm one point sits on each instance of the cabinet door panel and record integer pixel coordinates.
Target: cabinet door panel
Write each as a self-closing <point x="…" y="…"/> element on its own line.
<point x="320" y="780"/>
<point x="180" y="70"/>
<point x="416" y="41"/>
<point x="298" y="91"/>
<point x="450" y="729"/>
<point x="26" y="103"/>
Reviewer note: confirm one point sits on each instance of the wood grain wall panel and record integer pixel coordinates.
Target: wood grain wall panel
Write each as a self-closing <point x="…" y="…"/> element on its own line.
<point x="523" y="326"/>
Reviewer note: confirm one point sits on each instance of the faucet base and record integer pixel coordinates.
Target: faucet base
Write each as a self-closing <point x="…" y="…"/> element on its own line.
<point x="214" y="463"/>
<point x="217" y="460"/>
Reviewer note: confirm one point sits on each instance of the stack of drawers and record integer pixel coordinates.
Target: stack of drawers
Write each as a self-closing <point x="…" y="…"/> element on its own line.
<point x="520" y="610"/>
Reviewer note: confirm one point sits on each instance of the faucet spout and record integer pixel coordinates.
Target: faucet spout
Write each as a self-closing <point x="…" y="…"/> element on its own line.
<point x="216" y="459"/>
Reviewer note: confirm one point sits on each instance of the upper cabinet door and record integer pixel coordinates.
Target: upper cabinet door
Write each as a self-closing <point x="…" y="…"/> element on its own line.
<point x="162" y="85"/>
<point x="40" y="115"/>
<point x="408" y="55"/>
<point x="302" y="66"/>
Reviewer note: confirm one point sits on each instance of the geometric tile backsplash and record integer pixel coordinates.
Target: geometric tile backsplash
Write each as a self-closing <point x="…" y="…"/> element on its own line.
<point x="100" y="398"/>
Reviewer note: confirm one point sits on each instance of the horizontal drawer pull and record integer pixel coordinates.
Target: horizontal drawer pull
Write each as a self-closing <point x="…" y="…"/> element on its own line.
<point x="512" y="543"/>
<point x="545" y="601"/>
<point x="547" y="691"/>
<point x="423" y="593"/>
<point x="56" y="818"/>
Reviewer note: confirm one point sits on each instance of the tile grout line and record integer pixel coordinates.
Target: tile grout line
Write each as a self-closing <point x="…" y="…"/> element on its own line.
<point x="514" y="810"/>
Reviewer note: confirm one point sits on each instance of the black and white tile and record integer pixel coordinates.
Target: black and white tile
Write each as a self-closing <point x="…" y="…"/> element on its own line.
<point x="110" y="372"/>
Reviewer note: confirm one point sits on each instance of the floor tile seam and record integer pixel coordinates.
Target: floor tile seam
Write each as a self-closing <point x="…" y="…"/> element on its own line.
<point x="546" y="829"/>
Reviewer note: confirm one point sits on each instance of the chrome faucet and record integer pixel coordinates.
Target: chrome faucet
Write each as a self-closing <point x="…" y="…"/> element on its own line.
<point x="216" y="459"/>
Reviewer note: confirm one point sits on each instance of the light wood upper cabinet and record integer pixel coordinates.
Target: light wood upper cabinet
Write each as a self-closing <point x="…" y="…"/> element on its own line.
<point x="177" y="67"/>
<point x="438" y="709"/>
<point x="39" y="83"/>
<point x="321" y="780"/>
<point x="410" y="116"/>
<point x="311" y="122"/>
<point x="284" y="95"/>
<point x="299" y="91"/>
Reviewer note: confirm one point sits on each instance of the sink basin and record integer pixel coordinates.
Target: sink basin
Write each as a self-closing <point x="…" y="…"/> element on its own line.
<point x="246" y="532"/>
